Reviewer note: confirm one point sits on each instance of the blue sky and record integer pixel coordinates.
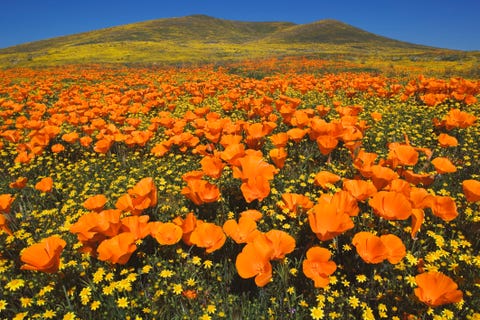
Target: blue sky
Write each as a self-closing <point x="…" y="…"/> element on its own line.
<point x="453" y="24"/>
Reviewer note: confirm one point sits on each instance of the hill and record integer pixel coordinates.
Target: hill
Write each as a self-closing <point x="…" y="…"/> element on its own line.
<point x="200" y="38"/>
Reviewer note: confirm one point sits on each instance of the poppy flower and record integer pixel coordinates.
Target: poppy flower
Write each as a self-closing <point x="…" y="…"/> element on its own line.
<point x="296" y="134"/>
<point x="344" y="202"/>
<point x="166" y="233"/>
<point x="117" y="249"/>
<point x="232" y="153"/>
<point x="359" y="189"/>
<point x="446" y="140"/>
<point x="396" y="250"/>
<point x="326" y="144"/>
<point x="370" y="247"/>
<point x="443" y="165"/>
<point x="376" y="116"/>
<point x="295" y="203"/>
<point x="278" y="156"/>
<point x="201" y="191"/>
<point x="144" y="194"/>
<point x="43" y="256"/>
<point x="318" y="266"/>
<point x="327" y="222"/>
<point x="324" y="178"/>
<point x="212" y="166"/>
<point x="255" y="188"/>
<point x="425" y="179"/>
<point x="436" y="289"/>
<point x="85" y="229"/>
<point x="252" y="262"/>
<point x="20" y="183"/>
<point x="209" y="236"/>
<point x="444" y="207"/>
<point x="188" y="225"/>
<point x="95" y="203"/>
<point x="44" y="185"/>
<point x="70" y="137"/>
<point x="252" y="166"/>
<point x="471" y="190"/>
<point x="3" y="225"/>
<point x="57" y="148"/>
<point x="418" y="216"/>
<point x="137" y="225"/>
<point x="241" y="232"/>
<point x="281" y="242"/>
<point x="6" y="201"/>
<point x="391" y="205"/>
<point x="103" y="145"/>
<point x="381" y="176"/>
<point x="279" y="140"/>
<point x="252" y="213"/>
<point x="402" y="154"/>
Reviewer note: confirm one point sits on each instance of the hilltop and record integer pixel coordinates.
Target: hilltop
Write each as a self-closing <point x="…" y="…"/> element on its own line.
<point x="200" y="38"/>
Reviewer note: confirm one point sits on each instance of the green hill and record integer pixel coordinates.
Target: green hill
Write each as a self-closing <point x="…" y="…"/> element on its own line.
<point x="200" y="38"/>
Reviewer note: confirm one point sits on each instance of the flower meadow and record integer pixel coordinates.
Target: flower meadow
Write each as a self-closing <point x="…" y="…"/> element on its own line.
<point x="275" y="189"/>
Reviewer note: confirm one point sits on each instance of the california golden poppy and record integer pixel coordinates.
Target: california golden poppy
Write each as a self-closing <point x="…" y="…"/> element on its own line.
<point x="326" y="143"/>
<point x="324" y="178"/>
<point x="4" y="226"/>
<point x="318" y="266"/>
<point x="381" y="176"/>
<point x="188" y="225"/>
<point x="117" y="249"/>
<point x="201" y="191"/>
<point x="166" y="233"/>
<point x="396" y="250"/>
<point x="402" y="154"/>
<point x="209" y="236"/>
<point x="359" y="189"/>
<point x="95" y="203"/>
<point x="391" y="205"/>
<point x="443" y="165"/>
<point x="243" y="231"/>
<point x="278" y="156"/>
<point x="252" y="214"/>
<point x="6" y="201"/>
<point x="20" y="183"/>
<point x="327" y="222"/>
<point x="295" y="203"/>
<point x="446" y="140"/>
<point x="137" y="225"/>
<point x="444" y="207"/>
<point x="251" y="262"/>
<point x="44" y="185"/>
<point x="369" y="247"/>
<point x="436" y="289"/>
<point x="281" y="242"/>
<point x="43" y="256"/>
<point x="212" y="166"/>
<point x="418" y="217"/>
<point x="471" y="190"/>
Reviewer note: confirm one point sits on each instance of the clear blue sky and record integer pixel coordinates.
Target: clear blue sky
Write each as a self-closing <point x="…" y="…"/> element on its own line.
<point x="453" y="24"/>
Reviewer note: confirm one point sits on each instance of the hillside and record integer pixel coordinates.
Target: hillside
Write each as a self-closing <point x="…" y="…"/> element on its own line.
<point x="200" y="38"/>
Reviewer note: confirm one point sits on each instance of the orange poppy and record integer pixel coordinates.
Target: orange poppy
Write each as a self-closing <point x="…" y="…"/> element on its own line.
<point x="376" y="116"/>
<point x="256" y="188"/>
<point x="418" y="216"/>
<point x="444" y="207"/>
<point x="166" y="233"/>
<point x="144" y="194"/>
<point x="420" y="198"/>
<point x="252" y="213"/>
<point x="57" y="148"/>
<point x="252" y="165"/>
<point x="370" y="247"/>
<point x="70" y="137"/>
<point x="446" y="140"/>
<point x="117" y="249"/>
<point x="279" y="140"/>
<point x="232" y="153"/>
<point x="344" y="202"/>
<point x="471" y="190"/>
<point x="436" y="289"/>
<point x="20" y="183"/>
<point x="201" y="191"/>
<point x="252" y="262"/>
<point x="296" y="134"/>
<point x="327" y="222"/>
<point x="243" y="231"/>
<point x="137" y="225"/>
<point x="43" y="256"/>
<point x="188" y="225"/>
<point x="326" y="144"/>
<point x="84" y="228"/>
<point x="443" y="165"/>
<point x="324" y="178"/>
<point x="396" y="250"/>
<point x="103" y="145"/>
<point x="209" y="236"/>
<point x="425" y="179"/>
<point x="95" y="203"/>
<point x="44" y="185"/>
<point x="402" y="154"/>
<point x="278" y="156"/>
<point x="6" y="201"/>
<point x="359" y="189"/>
<point x="3" y="224"/>
<point x="363" y="162"/>
<point x="381" y="176"/>
<point x="318" y="266"/>
<point x="391" y="205"/>
<point x="212" y="166"/>
<point x="295" y="203"/>
<point x="281" y="243"/>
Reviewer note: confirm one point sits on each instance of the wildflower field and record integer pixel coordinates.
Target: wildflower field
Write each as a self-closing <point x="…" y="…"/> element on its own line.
<point x="276" y="189"/>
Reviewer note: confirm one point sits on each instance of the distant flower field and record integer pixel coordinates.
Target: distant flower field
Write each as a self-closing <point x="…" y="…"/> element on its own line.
<point x="287" y="189"/>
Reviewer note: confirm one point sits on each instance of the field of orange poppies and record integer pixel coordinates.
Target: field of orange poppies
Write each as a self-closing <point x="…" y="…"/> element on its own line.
<point x="276" y="189"/>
